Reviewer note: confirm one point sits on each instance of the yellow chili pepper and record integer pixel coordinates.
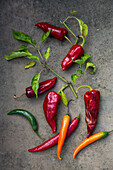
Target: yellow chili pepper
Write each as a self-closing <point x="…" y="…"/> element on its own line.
<point x="89" y="140"/>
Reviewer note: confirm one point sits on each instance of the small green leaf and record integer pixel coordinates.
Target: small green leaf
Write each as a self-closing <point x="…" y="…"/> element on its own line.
<point x="84" y="30"/>
<point x="17" y="54"/>
<point x="47" y="53"/>
<point x="21" y="36"/>
<point x="90" y="64"/>
<point x="79" y="71"/>
<point x="46" y="35"/>
<point x="74" y="77"/>
<point x="79" y="61"/>
<point x="35" y="83"/>
<point x="33" y="57"/>
<point x="81" y="23"/>
<point x="82" y="60"/>
<point x="34" y="42"/>
<point x="63" y="98"/>
<point x="22" y="48"/>
<point x="73" y="12"/>
<point x="30" y="64"/>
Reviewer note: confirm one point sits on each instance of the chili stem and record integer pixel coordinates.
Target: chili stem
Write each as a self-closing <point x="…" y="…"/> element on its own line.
<point x="63" y="88"/>
<point x="38" y="51"/>
<point x="56" y="73"/>
<point x="68" y="40"/>
<point x="68" y="27"/>
<point x="73" y="90"/>
<point x="84" y="86"/>
<point x="15" y="97"/>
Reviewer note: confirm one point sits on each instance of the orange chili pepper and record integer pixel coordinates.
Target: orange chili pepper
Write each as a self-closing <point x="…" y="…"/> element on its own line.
<point x="89" y="140"/>
<point x="62" y="134"/>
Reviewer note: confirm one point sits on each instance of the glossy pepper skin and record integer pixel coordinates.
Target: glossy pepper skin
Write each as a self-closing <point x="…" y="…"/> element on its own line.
<point x="74" y="53"/>
<point x="56" y="32"/>
<point x="43" y="86"/>
<point x="92" y="100"/>
<point x="54" y="140"/>
<point x="50" y="107"/>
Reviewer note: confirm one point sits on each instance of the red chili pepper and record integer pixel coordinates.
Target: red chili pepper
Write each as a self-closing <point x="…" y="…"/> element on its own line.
<point x="50" y="107"/>
<point x="92" y="99"/>
<point x="56" y="32"/>
<point x="54" y="140"/>
<point x="74" y="53"/>
<point x="43" y="86"/>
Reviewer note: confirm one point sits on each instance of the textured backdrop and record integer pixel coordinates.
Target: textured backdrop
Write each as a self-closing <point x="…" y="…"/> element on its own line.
<point x="16" y="135"/>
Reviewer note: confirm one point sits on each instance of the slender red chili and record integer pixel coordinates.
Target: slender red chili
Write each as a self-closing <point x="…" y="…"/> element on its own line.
<point x="74" y="53"/>
<point x="43" y="86"/>
<point x="54" y="140"/>
<point x="92" y="99"/>
<point x="50" y="107"/>
<point x="56" y="32"/>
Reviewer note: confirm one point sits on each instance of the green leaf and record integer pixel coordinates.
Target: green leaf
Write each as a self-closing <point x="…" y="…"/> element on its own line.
<point x="22" y="48"/>
<point x="46" y="35"/>
<point x="34" y="42"/>
<point x="17" y="54"/>
<point x="35" y="83"/>
<point x="74" y="77"/>
<point x="81" y="23"/>
<point x="21" y="36"/>
<point x="83" y="59"/>
<point x="30" y="64"/>
<point x="79" y="71"/>
<point x="73" y="12"/>
<point x="84" y="30"/>
<point x="47" y="53"/>
<point x="79" y="61"/>
<point x="33" y="57"/>
<point x="90" y="64"/>
<point x="63" y="98"/>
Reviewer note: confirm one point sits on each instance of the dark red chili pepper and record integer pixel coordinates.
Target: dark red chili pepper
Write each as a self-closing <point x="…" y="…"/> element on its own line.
<point x="92" y="99"/>
<point x="56" y="32"/>
<point x="74" y="53"/>
<point x="50" y="107"/>
<point x="54" y="140"/>
<point x="43" y="86"/>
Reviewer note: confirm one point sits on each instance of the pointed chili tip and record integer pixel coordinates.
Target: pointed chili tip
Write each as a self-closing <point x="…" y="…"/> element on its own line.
<point x="59" y="157"/>
<point x="78" y="117"/>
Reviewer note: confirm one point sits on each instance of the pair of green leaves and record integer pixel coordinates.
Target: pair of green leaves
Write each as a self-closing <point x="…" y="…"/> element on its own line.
<point x="81" y="61"/>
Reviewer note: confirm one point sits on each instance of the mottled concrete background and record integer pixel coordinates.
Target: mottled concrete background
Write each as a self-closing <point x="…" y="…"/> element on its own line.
<point x="16" y="134"/>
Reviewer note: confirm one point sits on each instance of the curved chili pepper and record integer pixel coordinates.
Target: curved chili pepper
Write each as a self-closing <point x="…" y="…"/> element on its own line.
<point x="56" y="32"/>
<point x="54" y="140"/>
<point x="29" y="116"/>
<point x="89" y="140"/>
<point x="50" y="107"/>
<point x="74" y="53"/>
<point x="43" y="86"/>
<point x="62" y="134"/>
<point x="92" y="99"/>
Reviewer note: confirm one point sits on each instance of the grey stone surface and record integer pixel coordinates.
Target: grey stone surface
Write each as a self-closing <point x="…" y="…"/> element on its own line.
<point x="16" y="135"/>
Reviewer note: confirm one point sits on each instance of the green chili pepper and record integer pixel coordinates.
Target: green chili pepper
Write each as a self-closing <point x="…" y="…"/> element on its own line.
<point x="29" y="116"/>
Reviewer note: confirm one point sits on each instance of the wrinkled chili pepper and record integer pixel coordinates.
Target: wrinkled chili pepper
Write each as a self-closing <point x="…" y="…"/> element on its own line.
<point x="62" y="134"/>
<point x="50" y="107"/>
<point x="89" y="140"/>
<point x="54" y="140"/>
<point x="56" y="32"/>
<point x="29" y="116"/>
<point x="43" y="86"/>
<point x="92" y="99"/>
<point x="74" y="53"/>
